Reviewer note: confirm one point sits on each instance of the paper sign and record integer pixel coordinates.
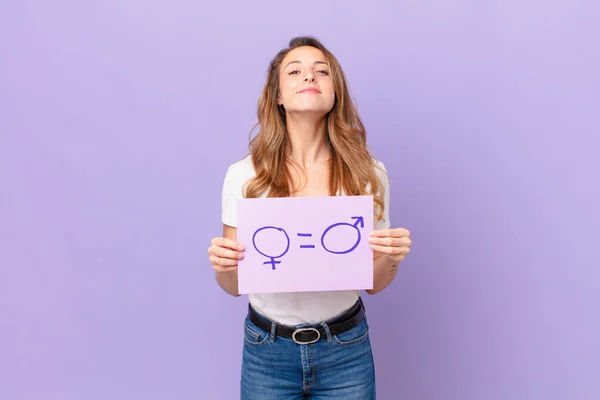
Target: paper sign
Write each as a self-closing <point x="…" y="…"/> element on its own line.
<point x="298" y="244"/>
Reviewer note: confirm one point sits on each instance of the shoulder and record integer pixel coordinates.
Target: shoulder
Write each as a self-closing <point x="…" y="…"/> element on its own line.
<point x="241" y="170"/>
<point x="379" y="164"/>
<point x="242" y="167"/>
<point x="381" y="171"/>
<point x="238" y="174"/>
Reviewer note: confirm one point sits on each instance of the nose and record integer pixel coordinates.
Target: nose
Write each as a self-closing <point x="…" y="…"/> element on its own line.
<point x="309" y="77"/>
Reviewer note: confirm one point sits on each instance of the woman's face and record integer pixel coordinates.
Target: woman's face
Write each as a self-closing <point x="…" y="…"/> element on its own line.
<point x="305" y="84"/>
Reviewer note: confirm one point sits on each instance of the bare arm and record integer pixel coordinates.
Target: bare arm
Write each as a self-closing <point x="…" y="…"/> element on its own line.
<point x="390" y="246"/>
<point x="384" y="272"/>
<point x="224" y="255"/>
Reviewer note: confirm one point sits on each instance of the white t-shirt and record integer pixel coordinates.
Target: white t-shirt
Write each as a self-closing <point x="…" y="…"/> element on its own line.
<point x="295" y="308"/>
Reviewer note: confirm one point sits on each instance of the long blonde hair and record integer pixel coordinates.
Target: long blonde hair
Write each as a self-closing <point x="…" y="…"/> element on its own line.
<point x="352" y="168"/>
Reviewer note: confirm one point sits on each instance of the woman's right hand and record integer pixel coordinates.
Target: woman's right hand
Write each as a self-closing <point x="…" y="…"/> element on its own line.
<point x="224" y="254"/>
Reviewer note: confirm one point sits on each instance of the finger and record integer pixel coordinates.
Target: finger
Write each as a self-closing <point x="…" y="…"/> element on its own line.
<point x="222" y="262"/>
<point x="390" y="241"/>
<point x="397" y="232"/>
<point x="218" y="268"/>
<point x="394" y="257"/>
<point x="390" y="250"/>
<point x="382" y="249"/>
<point x="224" y="252"/>
<point x="226" y="242"/>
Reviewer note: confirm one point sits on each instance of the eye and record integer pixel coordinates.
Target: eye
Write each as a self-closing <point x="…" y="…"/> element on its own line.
<point x="323" y="72"/>
<point x="294" y="72"/>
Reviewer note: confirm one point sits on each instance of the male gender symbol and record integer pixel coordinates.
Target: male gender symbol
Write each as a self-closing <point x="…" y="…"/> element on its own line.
<point x="359" y="220"/>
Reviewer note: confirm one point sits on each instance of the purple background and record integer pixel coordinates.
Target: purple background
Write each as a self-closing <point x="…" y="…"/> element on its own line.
<point x="117" y="123"/>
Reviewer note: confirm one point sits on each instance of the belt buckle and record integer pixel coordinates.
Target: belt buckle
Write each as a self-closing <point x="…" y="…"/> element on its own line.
<point x="304" y="330"/>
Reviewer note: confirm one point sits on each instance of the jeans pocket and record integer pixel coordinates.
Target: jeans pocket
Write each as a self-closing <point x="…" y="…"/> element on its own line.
<point x="253" y="335"/>
<point x="356" y="335"/>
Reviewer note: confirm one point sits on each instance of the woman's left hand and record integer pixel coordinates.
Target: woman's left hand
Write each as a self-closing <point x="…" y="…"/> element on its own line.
<point x="391" y="243"/>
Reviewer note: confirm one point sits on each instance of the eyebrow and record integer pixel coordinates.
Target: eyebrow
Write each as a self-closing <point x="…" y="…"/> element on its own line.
<point x="316" y="62"/>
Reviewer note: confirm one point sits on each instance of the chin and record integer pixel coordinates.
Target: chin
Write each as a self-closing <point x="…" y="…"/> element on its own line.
<point x="317" y="114"/>
<point x="311" y="110"/>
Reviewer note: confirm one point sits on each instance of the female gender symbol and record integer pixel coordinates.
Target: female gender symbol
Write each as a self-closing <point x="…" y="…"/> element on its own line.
<point x="272" y="262"/>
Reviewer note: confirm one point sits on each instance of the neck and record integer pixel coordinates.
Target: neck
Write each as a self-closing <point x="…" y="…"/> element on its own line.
<point x="307" y="139"/>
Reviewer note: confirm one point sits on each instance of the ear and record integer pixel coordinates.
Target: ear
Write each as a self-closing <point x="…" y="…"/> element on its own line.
<point x="279" y="102"/>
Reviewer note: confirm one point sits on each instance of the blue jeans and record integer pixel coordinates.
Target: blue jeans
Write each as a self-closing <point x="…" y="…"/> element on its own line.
<point x="335" y="367"/>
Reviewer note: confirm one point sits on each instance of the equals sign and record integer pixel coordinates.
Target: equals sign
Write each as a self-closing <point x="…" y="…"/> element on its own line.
<point x="306" y="246"/>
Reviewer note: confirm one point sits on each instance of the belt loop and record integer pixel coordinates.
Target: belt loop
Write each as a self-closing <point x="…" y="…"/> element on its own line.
<point x="326" y="327"/>
<point x="273" y="331"/>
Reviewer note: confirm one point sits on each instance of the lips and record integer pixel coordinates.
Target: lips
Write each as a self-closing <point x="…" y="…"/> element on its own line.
<point x="310" y="90"/>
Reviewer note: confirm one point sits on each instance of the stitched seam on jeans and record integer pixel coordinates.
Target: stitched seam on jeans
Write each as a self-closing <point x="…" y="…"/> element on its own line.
<point x="312" y="367"/>
<point x="256" y="342"/>
<point x="350" y="342"/>
<point x="249" y="331"/>
<point x="304" y="368"/>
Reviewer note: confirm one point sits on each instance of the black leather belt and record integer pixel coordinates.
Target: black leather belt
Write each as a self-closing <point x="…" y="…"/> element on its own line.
<point x="311" y="334"/>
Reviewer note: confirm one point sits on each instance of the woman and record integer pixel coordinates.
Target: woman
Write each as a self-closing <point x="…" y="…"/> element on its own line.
<point x="311" y="143"/>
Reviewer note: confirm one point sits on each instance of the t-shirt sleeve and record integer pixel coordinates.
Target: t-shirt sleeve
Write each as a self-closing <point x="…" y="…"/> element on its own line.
<point x="385" y="181"/>
<point x="232" y="191"/>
